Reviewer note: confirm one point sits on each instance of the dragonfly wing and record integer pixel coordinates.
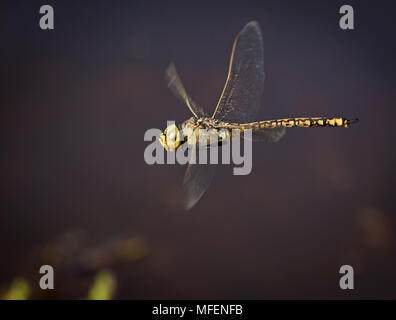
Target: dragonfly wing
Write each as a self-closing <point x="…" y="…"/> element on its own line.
<point x="175" y="84"/>
<point x="267" y="135"/>
<point x="240" y="99"/>
<point x="197" y="180"/>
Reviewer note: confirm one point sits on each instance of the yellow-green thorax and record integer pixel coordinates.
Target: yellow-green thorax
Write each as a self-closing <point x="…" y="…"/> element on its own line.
<point x="202" y="131"/>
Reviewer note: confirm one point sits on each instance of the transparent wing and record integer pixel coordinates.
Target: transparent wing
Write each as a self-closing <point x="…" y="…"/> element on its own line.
<point x="240" y="99"/>
<point x="264" y="135"/>
<point x="197" y="180"/>
<point x="268" y="135"/>
<point x="176" y="86"/>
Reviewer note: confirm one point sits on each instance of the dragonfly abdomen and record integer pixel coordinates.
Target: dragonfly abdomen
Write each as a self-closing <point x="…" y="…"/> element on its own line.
<point x="299" y="122"/>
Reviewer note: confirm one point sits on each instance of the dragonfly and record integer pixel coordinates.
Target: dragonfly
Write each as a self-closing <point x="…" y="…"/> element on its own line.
<point x="236" y="109"/>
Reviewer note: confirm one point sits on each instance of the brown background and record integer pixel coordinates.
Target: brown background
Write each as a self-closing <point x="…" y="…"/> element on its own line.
<point x="76" y="101"/>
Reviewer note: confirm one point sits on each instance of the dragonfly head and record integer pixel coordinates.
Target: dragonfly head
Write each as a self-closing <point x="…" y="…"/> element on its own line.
<point x="171" y="138"/>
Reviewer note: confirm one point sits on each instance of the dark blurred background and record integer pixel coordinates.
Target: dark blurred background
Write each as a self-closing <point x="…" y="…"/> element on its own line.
<point x="77" y="194"/>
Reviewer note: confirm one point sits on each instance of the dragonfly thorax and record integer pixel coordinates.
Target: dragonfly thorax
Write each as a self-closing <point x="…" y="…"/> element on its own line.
<point x="194" y="131"/>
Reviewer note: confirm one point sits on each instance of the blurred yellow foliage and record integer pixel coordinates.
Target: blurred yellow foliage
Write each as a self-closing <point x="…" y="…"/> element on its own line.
<point x="19" y="290"/>
<point x="103" y="286"/>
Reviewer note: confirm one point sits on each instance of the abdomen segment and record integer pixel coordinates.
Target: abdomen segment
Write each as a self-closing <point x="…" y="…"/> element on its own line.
<point x="299" y="122"/>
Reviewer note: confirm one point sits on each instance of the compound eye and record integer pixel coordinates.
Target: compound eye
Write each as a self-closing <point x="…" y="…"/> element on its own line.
<point x="172" y="132"/>
<point x="171" y="135"/>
